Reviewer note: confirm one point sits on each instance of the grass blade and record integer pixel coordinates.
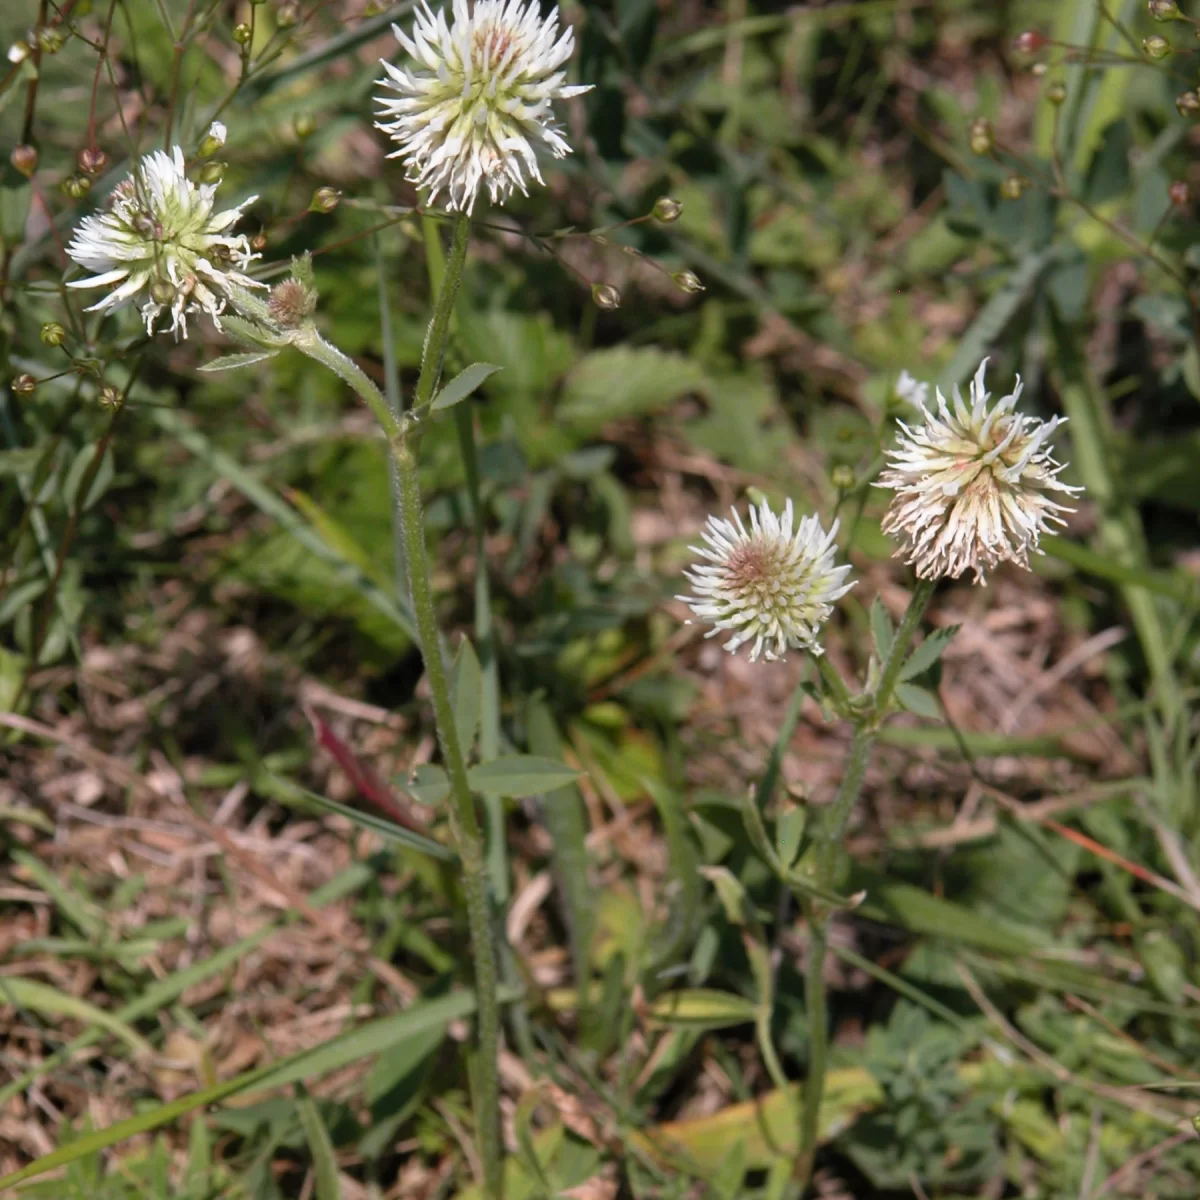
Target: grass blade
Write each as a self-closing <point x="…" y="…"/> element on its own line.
<point x="564" y="816"/>
<point x="366" y="1041"/>
<point x="320" y="1146"/>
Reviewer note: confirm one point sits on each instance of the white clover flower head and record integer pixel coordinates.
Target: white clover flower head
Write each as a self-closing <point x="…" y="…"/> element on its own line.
<point x="768" y="584"/>
<point x="475" y="103"/>
<point x="975" y="485"/>
<point x="161" y="238"/>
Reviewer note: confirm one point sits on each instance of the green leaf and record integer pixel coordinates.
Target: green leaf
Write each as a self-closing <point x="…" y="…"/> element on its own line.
<point x="320" y="1146"/>
<point x="163" y="992"/>
<point x="466" y="691"/>
<point x="368" y="1041"/>
<point x="995" y="315"/>
<point x="268" y="502"/>
<point x="702" y="1008"/>
<point x="101" y="477"/>
<point x="520" y="775"/>
<point x="730" y="892"/>
<point x="463" y="384"/>
<point x="920" y="911"/>
<point x="918" y="700"/>
<point x="565" y="817"/>
<point x="626" y="381"/>
<point x="428" y="784"/>
<point x="292" y="793"/>
<point x="789" y="829"/>
<point x="1176" y="585"/>
<point x="42" y="998"/>
<point x="882" y="629"/>
<point x="231" y="362"/>
<point x="16" y="193"/>
<point x="928" y="652"/>
<point x="79" y="910"/>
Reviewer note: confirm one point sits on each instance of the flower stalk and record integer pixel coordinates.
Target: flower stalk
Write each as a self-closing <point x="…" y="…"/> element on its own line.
<point x="433" y="353"/>
<point x="403" y="433"/>
<point x="828" y="851"/>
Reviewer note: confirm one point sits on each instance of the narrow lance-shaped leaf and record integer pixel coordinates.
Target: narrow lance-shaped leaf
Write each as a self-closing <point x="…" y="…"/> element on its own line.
<point x="231" y="362"/>
<point x="928" y="652"/>
<point x="462" y="385"/>
<point x="520" y="775"/>
<point x="882" y="629"/>
<point x="466" y="687"/>
<point x="320" y="1146"/>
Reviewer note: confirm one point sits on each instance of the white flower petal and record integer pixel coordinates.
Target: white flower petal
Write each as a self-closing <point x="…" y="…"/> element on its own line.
<point x="475" y="102"/>
<point x="160" y="235"/>
<point x="767" y="584"/>
<point x="974" y="483"/>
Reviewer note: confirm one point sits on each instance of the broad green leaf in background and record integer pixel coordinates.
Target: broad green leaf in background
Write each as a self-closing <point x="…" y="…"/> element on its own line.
<point x="626" y="381"/>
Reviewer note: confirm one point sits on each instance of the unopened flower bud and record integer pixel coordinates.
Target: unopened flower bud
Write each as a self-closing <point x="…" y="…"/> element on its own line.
<point x="242" y="33"/>
<point x="1180" y="194"/>
<point x="22" y="385"/>
<point x="212" y="171"/>
<point x="1163" y="10"/>
<point x="213" y="140"/>
<point x="109" y="397"/>
<point x="92" y="160"/>
<point x="304" y="125"/>
<point x="1038" y="69"/>
<point x="291" y="303"/>
<point x="667" y="210"/>
<point x="980" y="137"/>
<point x="1028" y="42"/>
<point x="50" y="39"/>
<point x="1188" y="103"/>
<point x="287" y="14"/>
<point x="18" y="52"/>
<point x="1013" y="187"/>
<point x="1056" y="93"/>
<point x="76" y="186"/>
<point x="688" y="281"/>
<point x="25" y="159"/>
<point x="842" y="477"/>
<point x="1155" y="46"/>
<point x="162" y="291"/>
<point x="325" y="200"/>
<point x="606" y="296"/>
<point x="53" y="334"/>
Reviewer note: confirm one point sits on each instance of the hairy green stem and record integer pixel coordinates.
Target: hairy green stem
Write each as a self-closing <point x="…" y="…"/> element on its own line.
<point x="464" y="822"/>
<point x="917" y="603"/>
<point x="434" y="351"/>
<point x="828" y="844"/>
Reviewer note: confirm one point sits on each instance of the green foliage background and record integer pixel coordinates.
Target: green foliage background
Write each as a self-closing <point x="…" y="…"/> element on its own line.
<point x="1019" y="1010"/>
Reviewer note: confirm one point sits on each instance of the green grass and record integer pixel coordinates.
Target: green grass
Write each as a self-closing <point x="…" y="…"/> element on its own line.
<point x="225" y="971"/>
